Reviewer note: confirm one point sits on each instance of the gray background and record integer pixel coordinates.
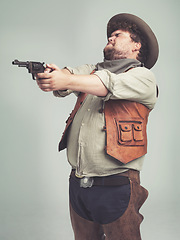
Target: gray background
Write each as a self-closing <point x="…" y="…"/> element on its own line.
<point x="33" y="175"/>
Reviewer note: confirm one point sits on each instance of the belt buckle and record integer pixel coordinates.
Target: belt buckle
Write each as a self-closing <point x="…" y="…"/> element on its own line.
<point x="86" y="182"/>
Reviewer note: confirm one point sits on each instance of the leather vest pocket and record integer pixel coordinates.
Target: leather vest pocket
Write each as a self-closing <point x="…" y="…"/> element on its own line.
<point x="130" y="133"/>
<point x="125" y="132"/>
<point x="137" y="133"/>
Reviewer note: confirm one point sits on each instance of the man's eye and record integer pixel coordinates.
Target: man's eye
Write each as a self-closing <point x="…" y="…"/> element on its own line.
<point x="117" y="35"/>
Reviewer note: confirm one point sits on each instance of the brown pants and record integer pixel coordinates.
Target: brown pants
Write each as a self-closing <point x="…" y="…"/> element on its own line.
<point x="127" y="227"/>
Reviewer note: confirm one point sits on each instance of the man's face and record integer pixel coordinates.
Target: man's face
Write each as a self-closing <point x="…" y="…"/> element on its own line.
<point x="119" y="46"/>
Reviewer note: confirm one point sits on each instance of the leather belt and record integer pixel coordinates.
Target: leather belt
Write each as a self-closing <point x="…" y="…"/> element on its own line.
<point x="113" y="180"/>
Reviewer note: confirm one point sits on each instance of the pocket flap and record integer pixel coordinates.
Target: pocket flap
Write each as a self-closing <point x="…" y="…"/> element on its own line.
<point x="138" y="126"/>
<point x="126" y="127"/>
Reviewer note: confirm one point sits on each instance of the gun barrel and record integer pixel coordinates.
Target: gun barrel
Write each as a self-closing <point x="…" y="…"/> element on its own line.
<point x="15" y="62"/>
<point x="20" y="64"/>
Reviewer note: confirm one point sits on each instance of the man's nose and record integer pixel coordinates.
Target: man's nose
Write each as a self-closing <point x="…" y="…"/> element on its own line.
<point x="111" y="39"/>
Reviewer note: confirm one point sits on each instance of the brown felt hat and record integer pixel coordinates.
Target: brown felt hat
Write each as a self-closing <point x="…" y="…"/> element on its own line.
<point x="145" y="30"/>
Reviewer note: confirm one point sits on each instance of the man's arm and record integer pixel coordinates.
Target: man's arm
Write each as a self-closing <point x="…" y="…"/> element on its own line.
<point x="137" y="84"/>
<point x="54" y="79"/>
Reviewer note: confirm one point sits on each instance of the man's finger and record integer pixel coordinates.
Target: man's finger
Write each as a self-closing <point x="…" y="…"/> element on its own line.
<point x="47" y="69"/>
<point x="44" y="75"/>
<point x="43" y="80"/>
<point x="52" y="66"/>
<point x="44" y="87"/>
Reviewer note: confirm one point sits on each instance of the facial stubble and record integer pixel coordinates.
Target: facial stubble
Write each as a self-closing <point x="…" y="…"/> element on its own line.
<point x="113" y="54"/>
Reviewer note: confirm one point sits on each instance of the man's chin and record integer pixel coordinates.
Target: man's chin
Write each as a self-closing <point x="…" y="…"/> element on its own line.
<point x="112" y="54"/>
<point x="108" y="53"/>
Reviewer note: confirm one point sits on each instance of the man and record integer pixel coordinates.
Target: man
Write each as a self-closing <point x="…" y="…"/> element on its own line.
<point x="105" y="134"/>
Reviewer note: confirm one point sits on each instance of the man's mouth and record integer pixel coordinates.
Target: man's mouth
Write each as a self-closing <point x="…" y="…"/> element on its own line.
<point x="109" y="45"/>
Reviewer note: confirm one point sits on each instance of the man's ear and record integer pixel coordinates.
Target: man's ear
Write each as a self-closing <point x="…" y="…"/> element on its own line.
<point x="137" y="46"/>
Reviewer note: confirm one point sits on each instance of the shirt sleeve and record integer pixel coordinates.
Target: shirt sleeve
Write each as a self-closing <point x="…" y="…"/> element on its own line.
<point x="137" y="84"/>
<point x="85" y="69"/>
<point x="82" y="70"/>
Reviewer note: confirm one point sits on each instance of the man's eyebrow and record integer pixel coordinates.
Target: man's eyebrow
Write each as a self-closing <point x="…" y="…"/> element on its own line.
<point x="116" y="32"/>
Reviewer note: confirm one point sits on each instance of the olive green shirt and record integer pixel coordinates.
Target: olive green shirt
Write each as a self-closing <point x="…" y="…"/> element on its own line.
<point x="86" y="138"/>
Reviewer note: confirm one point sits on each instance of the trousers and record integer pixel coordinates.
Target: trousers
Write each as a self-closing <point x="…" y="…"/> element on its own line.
<point x="125" y="227"/>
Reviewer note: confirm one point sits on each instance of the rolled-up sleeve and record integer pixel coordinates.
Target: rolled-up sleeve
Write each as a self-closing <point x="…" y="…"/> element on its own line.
<point x="85" y="69"/>
<point x="82" y="70"/>
<point x="137" y="84"/>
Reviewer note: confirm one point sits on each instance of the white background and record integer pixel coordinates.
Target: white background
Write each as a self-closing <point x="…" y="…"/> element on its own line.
<point x="33" y="175"/>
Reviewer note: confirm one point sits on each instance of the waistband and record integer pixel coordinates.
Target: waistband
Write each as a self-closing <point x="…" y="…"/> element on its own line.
<point x="113" y="180"/>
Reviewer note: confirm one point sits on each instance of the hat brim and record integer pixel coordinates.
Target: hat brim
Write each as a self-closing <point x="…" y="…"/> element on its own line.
<point x="144" y="29"/>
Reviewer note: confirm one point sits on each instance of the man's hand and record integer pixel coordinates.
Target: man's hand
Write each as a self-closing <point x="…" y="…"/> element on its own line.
<point x="53" y="78"/>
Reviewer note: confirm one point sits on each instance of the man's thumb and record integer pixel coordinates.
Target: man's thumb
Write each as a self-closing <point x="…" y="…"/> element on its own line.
<point x="52" y="66"/>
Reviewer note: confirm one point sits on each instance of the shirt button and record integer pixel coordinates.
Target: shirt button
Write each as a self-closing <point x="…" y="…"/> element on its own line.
<point x="82" y="124"/>
<point x="89" y="109"/>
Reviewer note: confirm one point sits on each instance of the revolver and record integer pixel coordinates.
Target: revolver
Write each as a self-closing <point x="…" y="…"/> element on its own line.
<point x="33" y="67"/>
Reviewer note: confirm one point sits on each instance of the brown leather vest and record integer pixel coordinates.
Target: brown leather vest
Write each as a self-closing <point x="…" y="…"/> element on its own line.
<point x="125" y="126"/>
<point x="63" y="141"/>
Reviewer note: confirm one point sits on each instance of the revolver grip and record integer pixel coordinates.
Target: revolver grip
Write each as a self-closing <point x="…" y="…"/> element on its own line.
<point x="33" y="76"/>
